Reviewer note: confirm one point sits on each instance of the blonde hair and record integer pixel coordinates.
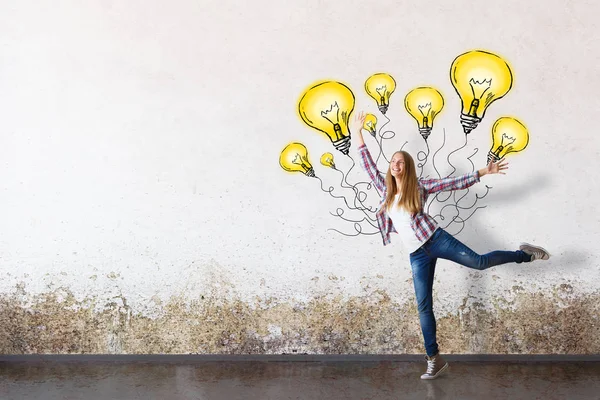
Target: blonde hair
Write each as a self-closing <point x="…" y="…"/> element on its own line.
<point x="410" y="198"/>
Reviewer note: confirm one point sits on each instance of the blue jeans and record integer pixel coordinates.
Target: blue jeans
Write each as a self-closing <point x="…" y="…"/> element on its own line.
<point x="422" y="261"/>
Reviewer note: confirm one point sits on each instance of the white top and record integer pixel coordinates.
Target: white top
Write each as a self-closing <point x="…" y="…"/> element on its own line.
<point x="401" y="220"/>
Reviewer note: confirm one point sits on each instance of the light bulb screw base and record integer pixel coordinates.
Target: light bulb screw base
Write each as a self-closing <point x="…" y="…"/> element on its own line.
<point x="469" y="122"/>
<point x="491" y="157"/>
<point x="310" y="173"/>
<point x="342" y="145"/>
<point x="373" y="132"/>
<point x="425" y="132"/>
<point x="383" y="108"/>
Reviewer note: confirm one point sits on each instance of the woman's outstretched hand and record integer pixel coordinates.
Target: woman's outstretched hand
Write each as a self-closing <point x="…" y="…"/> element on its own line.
<point x="357" y="122"/>
<point x="494" y="168"/>
<point x="356" y="125"/>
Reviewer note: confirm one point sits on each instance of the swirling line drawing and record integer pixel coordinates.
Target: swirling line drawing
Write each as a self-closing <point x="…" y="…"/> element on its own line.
<point x="360" y="196"/>
<point x="382" y="137"/>
<point x="479" y="79"/>
<point x="450" y="154"/>
<point x="457" y="206"/>
<point x="340" y="212"/>
<point x="358" y="229"/>
<point x="422" y="161"/>
<point x="330" y="191"/>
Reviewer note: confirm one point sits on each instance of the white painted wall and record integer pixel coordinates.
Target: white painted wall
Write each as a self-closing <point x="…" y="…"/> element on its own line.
<point x="139" y="144"/>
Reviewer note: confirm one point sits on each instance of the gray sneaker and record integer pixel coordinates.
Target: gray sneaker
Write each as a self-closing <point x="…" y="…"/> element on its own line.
<point x="436" y="365"/>
<point x="536" y="252"/>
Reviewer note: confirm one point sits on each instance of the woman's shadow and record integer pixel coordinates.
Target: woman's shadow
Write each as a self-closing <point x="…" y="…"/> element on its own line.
<point x="482" y="239"/>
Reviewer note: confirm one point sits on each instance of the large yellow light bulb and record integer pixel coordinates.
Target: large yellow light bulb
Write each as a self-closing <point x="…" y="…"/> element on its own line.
<point x="326" y="107"/>
<point x="380" y="87"/>
<point x="327" y="160"/>
<point x="294" y="158"/>
<point x="509" y="135"/>
<point x="424" y="104"/>
<point x="480" y="78"/>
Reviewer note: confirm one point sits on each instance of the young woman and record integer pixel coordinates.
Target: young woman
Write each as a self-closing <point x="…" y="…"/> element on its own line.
<point x="401" y="211"/>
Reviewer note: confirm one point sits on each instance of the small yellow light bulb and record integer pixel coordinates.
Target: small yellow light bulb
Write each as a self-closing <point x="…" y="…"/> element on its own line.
<point x="424" y="104"/>
<point x="327" y="160"/>
<point x="294" y="158"/>
<point x="509" y="135"/>
<point x="370" y="124"/>
<point x="380" y="87"/>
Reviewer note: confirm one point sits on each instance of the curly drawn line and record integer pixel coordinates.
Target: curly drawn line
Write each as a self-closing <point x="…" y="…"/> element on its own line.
<point x="340" y="212"/>
<point x="360" y="196"/>
<point x="357" y="226"/>
<point x="436" y="197"/>
<point x="471" y="161"/>
<point x="422" y="160"/>
<point x="438" y="150"/>
<point x="477" y="198"/>
<point x="356" y="191"/>
<point x="457" y="206"/>
<point x="382" y="137"/>
<point x="358" y="230"/>
<point x="327" y="160"/>
<point x="450" y="154"/>
<point x="457" y="196"/>
<point x="330" y="191"/>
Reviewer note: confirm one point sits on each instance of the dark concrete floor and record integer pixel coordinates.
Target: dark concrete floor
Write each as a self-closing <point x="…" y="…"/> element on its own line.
<point x="296" y="380"/>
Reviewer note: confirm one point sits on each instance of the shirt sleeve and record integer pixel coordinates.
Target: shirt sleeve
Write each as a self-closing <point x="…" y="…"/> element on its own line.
<point x="450" y="183"/>
<point x="367" y="163"/>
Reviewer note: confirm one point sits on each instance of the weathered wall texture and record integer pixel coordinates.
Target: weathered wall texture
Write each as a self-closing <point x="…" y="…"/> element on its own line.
<point x="536" y="323"/>
<point x="143" y="209"/>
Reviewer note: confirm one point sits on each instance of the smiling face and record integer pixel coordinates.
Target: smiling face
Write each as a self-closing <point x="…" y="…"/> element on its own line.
<point x="397" y="165"/>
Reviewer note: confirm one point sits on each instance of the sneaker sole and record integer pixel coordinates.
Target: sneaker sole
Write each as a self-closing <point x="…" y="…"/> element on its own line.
<point x="443" y="369"/>
<point x="537" y="247"/>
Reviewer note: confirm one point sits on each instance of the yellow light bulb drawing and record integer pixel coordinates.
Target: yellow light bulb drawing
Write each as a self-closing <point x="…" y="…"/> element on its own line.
<point x="326" y="107"/>
<point x="294" y="158"/>
<point x="509" y="135"/>
<point x="424" y="104"/>
<point x="480" y="78"/>
<point x="380" y="87"/>
<point x="327" y="160"/>
<point x="370" y="124"/>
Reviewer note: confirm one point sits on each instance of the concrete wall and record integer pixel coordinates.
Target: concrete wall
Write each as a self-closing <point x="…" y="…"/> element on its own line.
<point x="143" y="208"/>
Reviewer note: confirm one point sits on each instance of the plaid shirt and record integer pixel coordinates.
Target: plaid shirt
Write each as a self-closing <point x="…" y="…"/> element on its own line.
<point x="421" y="223"/>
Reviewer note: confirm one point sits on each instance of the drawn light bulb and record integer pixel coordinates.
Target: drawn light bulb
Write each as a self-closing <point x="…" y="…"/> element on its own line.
<point x="326" y="107"/>
<point x="480" y="78"/>
<point x="380" y="87"/>
<point x="509" y="135"/>
<point x="294" y="158"/>
<point x="424" y="104"/>
<point x="327" y="160"/>
<point x="370" y="124"/>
